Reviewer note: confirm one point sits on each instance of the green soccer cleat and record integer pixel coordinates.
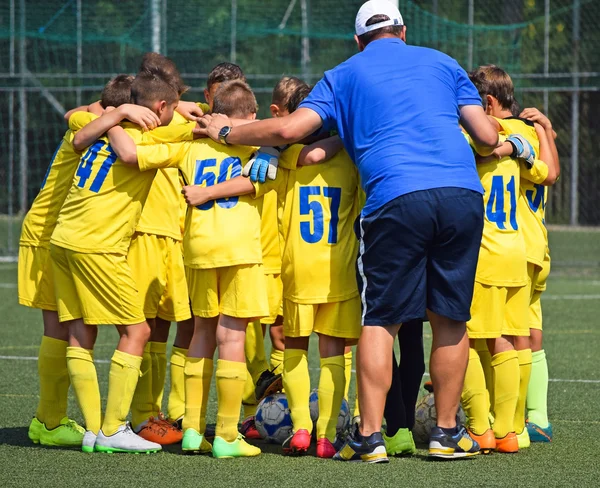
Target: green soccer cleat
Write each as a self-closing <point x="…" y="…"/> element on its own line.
<point x="237" y="448"/>
<point x="35" y="429"/>
<point x="523" y="439"/>
<point x="400" y="444"/>
<point x="67" y="434"/>
<point x="195" y="443"/>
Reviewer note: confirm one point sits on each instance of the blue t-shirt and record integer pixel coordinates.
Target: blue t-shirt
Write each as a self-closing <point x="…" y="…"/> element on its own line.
<point x="396" y="108"/>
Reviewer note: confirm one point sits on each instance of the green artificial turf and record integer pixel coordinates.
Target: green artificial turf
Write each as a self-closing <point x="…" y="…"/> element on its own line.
<point x="572" y="342"/>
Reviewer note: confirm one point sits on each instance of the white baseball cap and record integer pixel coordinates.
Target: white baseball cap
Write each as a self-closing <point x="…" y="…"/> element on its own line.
<point x="376" y="7"/>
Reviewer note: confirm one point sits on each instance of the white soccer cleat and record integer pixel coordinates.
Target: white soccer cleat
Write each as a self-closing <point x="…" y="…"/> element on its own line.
<point x="89" y="440"/>
<point x="124" y="440"/>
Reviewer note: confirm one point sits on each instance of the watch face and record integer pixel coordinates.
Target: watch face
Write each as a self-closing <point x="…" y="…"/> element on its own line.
<point x="224" y="131"/>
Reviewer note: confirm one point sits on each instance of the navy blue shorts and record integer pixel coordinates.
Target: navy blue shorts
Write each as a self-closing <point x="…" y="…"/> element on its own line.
<point x="418" y="252"/>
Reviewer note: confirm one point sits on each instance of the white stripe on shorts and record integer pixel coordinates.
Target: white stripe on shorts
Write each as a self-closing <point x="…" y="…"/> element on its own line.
<point x="359" y="265"/>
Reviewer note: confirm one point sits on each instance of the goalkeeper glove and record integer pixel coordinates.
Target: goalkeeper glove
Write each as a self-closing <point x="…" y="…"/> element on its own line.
<point x="522" y="149"/>
<point x="262" y="164"/>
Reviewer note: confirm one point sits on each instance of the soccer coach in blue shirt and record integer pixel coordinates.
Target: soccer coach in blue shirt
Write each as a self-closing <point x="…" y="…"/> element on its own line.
<point x="397" y="110"/>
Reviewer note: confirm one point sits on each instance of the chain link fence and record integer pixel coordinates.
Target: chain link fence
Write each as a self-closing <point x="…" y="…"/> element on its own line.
<point x="56" y="54"/>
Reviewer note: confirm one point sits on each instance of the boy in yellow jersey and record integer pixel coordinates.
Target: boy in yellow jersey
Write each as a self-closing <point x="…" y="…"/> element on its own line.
<point x="500" y="300"/>
<point x="223" y="259"/>
<point x="51" y="426"/>
<point x="93" y="281"/>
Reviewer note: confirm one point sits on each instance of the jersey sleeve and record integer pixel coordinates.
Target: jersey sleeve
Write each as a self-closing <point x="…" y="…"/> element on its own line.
<point x="537" y="173"/>
<point x="288" y="159"/>
<point x="322" y="101"/>
<point x="466" y="93"/>
<point x="169" y="133"/>
<point x="161" y="155"/>
<point x="278" y="184"/>
<point x="79" y="120"/>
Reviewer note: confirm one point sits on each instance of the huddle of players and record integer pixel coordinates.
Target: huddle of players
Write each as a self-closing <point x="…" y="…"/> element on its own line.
<point x="108" y="241"/>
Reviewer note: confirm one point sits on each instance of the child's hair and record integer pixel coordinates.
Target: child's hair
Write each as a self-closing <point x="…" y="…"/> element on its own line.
<point x="234" y="99"/>
<point x="150" y="86"/>
<point x="117" y="91"/>
<point x="154" y="63"/>
<point x="494" y="81"/>
<point x="225" y="72"/>
<point x="284" y="89"/>
<point x="296" y="97"/>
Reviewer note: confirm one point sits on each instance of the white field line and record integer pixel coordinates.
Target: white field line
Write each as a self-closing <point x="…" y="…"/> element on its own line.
<point x="107" y="361"/>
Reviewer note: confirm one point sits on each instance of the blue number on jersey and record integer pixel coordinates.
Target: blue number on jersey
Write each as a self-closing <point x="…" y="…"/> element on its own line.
<point x="494" y="210"/>
<point x="84" y="171"/>
<point x="50" y="165"/>
<point x="202" y="176"/>
<point x="104" y="169"/>
<point x="307" y="207"/>
<point x="535" y="203"/>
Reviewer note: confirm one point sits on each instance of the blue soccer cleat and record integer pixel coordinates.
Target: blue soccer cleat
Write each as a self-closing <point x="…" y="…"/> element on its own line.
<point x="369" y="449"/>
<point x="539" y="434"/>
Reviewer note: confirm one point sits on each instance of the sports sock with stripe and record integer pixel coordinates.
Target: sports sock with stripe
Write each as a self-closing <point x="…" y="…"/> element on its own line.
<point x="158" y="352"/>
<point x="331" y="394"/>
<point x="142" y="405"/>
<point x="198" y="375"/>
<point x="537" y="393"/>
<point x="296" y="381"/>
<point x="80" y="363"/>
<point x="230" y="378"/>
<point x="506" y="386"/>
<point x="474" y="396"/>
<point x="122" y="381"/>
<point x="524" y="375"/>
<point x="176" y="402"/>
<point x="54" y="381"/>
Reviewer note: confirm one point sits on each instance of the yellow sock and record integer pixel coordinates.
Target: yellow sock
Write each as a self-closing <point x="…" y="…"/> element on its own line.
<point x="486" y="363"/>
<point x="276" y="360"/>
<point x="142" y="405"/>
<point x="158" y="352"/>
<point x="231" y="378"/>
<point x="176" y="403"/>
<point x="198" y="374"/>
<point x="122" y="381"/>
<point x="80" y="363"/>
<point x="331" y="394"/>
<point x="347" y="372"/>
<point x="506" y="386"/>
<point x="249" y="397"/>
<point x="525" y="360"/>
<point x="54" y="381"/>
<point x="296" y="381"/>
<point x="254" y="348"/>
<point x="474" y="395"/>
<point x="356" y="407"/>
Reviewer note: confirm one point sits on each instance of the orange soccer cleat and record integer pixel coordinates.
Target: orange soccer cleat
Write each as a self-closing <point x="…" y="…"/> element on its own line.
<point x="161" y="431"/>
<point x="507" y="444"/>
<point x="486" y="441"/>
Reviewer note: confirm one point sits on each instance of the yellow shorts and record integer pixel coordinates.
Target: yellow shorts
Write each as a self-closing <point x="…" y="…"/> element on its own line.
<point x="335" y="319"/>
<point x="535" y="311"/>
<point x="274" y="297"/>
<point x="96" y="287"/>
<point x="157" y="267"/>
<point x="36" y="282"/>
<point x="237" y="291"/>
<point x="497" y="311"/>
<point x="544" y="273"/>
<point x="533" y="278"/>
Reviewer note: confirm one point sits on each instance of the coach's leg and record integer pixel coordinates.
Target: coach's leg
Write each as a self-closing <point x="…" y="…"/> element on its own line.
<point x="447" y="366"/>
<point x="374" y="374"/>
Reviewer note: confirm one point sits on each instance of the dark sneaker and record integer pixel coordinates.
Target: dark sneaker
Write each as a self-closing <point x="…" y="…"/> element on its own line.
<point x="446" y="446"/>
<point x="267" y="384"/>
<point x="366" y="449"/>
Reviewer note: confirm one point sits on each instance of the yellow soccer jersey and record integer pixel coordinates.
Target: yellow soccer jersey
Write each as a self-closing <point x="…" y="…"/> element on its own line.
<point x="218" y="233"/>
<point x="318" y="206"/>
<point x="105" y="201"/>
<point x="269" y="235"/>
<point x="180" y="119"/>
<point x="531" y="201"/>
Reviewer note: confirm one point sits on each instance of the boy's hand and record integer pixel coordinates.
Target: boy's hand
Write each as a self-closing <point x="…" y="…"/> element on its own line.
<point x="210" y="125"/>
<point x="142" y="116"/>
<point x="195" y="195"/>
<point x="189" y="110"/>
<point x="262" y="165"/>
<point x="535" y="115"/>
<point x="521" y="149"/>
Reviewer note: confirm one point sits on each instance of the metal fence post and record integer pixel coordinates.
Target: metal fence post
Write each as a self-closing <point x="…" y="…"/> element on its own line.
<point x="233" y="35"/>
<point x="575" y="116"/>
<point x="22" y="112"/>
<point x="155" y="22"/>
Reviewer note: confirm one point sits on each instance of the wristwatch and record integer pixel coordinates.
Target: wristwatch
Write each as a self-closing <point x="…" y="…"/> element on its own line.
<point x="223" y="133"/>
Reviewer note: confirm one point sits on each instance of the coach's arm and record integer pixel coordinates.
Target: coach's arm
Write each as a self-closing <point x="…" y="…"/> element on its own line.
<point x="482" y="131"/>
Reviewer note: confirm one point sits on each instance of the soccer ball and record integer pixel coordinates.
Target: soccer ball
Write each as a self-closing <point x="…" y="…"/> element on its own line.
<point x="273" y="420"/>
<point x="426" y="419"/>
<point x="343" y="418"/>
